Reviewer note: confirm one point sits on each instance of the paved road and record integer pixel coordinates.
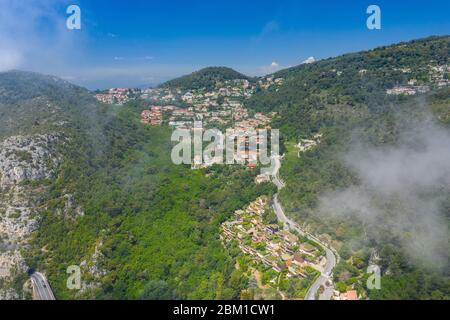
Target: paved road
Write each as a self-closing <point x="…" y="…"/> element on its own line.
<point x="41" y="287"/>
<point x="325" y="277"/>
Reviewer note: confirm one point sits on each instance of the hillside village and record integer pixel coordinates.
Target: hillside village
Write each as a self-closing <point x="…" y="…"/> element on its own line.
<point x="270" y="248"/>
<point x="437" y="77"/>
<point x="220" y="107"/>
<point x="118" y="96"/>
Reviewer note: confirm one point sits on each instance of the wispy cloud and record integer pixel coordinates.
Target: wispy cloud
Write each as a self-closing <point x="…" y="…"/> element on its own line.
<point x="402" y="192"/>
<point x="268" y="29"/>
<point x="10" y="58"/>
<point x="33" y="35"/>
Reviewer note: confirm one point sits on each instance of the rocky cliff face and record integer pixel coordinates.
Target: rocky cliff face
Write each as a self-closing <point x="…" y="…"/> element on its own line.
<point x="23" y="159"/>
<point x="26" y="158"/>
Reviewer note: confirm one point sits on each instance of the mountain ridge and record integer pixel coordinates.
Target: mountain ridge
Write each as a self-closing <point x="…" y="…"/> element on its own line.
<point x="206" y="77"/>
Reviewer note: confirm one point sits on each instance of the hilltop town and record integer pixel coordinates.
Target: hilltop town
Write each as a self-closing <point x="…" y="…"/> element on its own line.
<point x="118" y="96"/>
<point x="221" y="106"/>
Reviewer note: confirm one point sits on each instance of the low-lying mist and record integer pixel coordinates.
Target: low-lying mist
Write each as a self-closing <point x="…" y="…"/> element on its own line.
<point x="403" y="189"/>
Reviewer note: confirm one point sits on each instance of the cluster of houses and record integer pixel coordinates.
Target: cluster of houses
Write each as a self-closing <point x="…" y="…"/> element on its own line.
<point x="349" y="295"/>
<point x="177" y="117"/>
<point x="238" y="88"/>
<point x="307" y="144"/>
<point x="247" y="150"/>
<point x="182" y="118"/>
<point x="439" y="77"/>
<point x="408" y="90"/>
<point x="221" y="105"/>
<point x="259" y="120"/>
<point x="268" y="82"/>
<point x="262" y="178"/>
<point x="269" y="244"/>
<point x="152" y="116"/>
<point x="160" y="94"/>
<point x="115" y="96"/>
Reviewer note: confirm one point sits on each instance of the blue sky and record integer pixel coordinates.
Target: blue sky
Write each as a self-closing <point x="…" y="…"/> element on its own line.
<point x="132" y="43"/>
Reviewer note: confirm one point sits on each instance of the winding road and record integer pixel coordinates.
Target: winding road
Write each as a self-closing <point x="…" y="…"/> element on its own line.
<point x="41" y="287"/>
<point x="325" y="277"/>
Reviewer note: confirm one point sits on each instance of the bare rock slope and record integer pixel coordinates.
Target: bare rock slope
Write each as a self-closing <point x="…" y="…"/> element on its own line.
<point x="23" y="160"/>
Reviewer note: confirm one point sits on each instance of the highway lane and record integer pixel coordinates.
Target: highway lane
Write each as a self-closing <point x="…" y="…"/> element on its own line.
<point x="41" y="287"/>
<point x="325" y="279"/>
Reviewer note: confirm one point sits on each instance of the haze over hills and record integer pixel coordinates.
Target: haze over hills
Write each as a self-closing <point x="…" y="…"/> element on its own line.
<point x="89" y="185"/>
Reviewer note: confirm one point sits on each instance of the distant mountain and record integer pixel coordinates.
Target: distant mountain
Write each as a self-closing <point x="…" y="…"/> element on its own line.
<point x="205" y="78"/>
<point x="35" y="103"/>
<point x="20" y="85"/>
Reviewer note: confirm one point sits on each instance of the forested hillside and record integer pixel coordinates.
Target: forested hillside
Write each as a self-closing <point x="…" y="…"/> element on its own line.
<point x="137" y="225"/>
<point x="345" y="90"/>
<point x="91" y="186"/>
<point x="363" y="186"/>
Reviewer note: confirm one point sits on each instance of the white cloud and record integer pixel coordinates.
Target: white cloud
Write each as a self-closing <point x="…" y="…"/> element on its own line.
<point x="309" y="60"/>
<point x="273" y="67"/>
<point x="33" y="36"/>
<point x="268" y="29"/>
<point x="402" y="191"/>
<point x="9" y="59"/>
